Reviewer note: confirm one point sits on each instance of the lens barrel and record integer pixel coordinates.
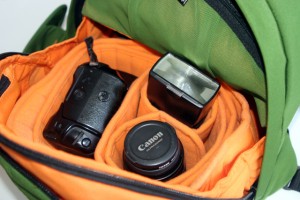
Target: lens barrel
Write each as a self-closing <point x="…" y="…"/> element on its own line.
<point x="153" y="149"/>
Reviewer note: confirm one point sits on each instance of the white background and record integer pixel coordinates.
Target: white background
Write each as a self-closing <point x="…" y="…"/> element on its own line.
<point x="19" y="20"/>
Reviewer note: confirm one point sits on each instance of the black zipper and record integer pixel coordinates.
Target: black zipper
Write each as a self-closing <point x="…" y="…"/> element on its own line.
<point x="47" y="191"/>
<point x="232" y="15"/>
<point x="7" y="54"/>
<point x="110" y="179"/>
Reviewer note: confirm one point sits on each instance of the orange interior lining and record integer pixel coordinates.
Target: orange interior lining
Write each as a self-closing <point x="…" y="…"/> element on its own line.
<point x="223" y="156"/>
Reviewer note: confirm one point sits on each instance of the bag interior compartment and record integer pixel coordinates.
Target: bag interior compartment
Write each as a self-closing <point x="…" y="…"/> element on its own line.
<point x="225" y="146"/>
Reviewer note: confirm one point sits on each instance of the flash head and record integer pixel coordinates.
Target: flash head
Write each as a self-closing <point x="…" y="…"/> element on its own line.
<point x="181" y="90"/>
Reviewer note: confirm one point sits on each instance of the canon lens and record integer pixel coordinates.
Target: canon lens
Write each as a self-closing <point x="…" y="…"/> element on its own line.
<point x="152" y="149"/>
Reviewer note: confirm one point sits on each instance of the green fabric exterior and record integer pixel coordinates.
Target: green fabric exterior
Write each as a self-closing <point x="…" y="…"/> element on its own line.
<point x="197" y="32"/>
<point x="29" y="189"/>
<point x="50" y="31"/>
<point x="276" y="26"/>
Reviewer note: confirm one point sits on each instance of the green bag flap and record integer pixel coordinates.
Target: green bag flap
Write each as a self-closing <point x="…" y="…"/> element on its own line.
<point x="276" y="26"/>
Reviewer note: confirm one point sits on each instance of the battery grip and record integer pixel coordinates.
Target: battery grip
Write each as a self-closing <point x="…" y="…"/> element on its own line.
<point x="94" y="97"/>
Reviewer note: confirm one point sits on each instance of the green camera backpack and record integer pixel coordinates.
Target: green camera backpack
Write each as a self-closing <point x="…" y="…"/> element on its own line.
<point x="251" y="45"/>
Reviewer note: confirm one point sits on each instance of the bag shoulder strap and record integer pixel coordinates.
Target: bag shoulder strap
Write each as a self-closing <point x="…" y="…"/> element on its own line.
<point x="295" y="182"/>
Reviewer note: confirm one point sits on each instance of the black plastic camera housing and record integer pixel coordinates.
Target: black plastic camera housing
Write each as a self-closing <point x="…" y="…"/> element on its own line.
<point x="94" y="97"/>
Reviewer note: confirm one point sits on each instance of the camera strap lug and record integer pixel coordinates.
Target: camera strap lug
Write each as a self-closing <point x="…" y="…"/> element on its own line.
<point x="93" y="57"/>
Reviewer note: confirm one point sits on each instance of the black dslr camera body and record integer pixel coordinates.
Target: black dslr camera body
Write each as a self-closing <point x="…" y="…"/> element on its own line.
<point x="94" y="97"/>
